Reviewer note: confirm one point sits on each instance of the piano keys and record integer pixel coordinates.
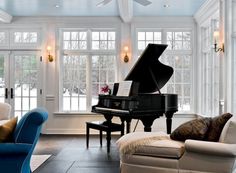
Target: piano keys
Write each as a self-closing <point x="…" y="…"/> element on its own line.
<point x="145" y="102"/>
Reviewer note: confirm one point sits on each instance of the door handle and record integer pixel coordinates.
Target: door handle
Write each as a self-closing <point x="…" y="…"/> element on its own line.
<point x="6" y="93"/>
<point x="11" y="93"/>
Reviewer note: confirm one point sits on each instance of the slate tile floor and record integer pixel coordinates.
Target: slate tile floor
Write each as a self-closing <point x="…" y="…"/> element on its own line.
<point x="69" y="155"/>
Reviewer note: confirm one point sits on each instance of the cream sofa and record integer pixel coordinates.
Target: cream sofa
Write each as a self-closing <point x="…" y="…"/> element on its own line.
<point x="164" y="155"/>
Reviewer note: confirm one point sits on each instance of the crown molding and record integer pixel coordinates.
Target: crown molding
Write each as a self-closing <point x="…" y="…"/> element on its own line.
<point x="5" y="17"/>
<point x="206" y="10"/>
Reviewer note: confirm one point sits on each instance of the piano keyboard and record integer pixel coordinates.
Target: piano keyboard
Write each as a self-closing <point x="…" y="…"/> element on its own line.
<point x="113" y="110"/>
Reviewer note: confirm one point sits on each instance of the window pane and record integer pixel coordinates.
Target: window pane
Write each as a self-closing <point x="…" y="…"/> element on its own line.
<point x="2" y="37"/>
<point x="149" y="35"/>
<point x="103" y="35"/>
<point x="141" y="45"/>
<point x="95" y="45"/>
<point x="157" y="36"/>
<point x="74" y="36"/>
<point x="111" y="36"/>
<point x="66" y="35"/>
<point x="95" y="36"/>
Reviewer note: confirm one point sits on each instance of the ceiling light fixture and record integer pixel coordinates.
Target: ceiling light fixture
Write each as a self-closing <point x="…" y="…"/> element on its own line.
<point x="57" y="6"/>
<point x="166" y="6"/>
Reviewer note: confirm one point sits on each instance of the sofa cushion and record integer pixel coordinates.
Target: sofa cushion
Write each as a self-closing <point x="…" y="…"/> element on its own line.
<point x="194" y="129"/>
<point x="162" y="148"/>
<point x="228" y="132"/>
<point x="7" y="129"/>
<point x="216" y="127"/>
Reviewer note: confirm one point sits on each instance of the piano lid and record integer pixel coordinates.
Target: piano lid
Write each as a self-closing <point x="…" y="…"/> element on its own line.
<point x="148" y="71"/>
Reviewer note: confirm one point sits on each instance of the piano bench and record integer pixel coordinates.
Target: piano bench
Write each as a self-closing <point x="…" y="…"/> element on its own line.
<point x="103" y="126"/>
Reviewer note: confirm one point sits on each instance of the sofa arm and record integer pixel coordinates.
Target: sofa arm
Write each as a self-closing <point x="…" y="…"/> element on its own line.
<point x="14" y="148"/>
<point x="210" y="148"/>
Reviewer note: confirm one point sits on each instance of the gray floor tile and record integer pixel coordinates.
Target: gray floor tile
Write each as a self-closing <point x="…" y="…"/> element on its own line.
<point x="93" y="170"/>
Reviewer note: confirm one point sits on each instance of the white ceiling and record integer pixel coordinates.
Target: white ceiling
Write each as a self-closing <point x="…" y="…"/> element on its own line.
<point x="89" y="8"/>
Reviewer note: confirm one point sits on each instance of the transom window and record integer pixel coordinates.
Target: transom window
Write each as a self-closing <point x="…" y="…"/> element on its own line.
<point x="88" y="64"/>
<point x="25" y="37"/>
<point x="103" y="40"/>
<point x="179" y="40"/>
<point x="75" y="40"/>
<point x="144" y="38"/>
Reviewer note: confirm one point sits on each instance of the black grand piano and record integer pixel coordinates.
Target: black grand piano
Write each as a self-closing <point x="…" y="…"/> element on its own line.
<point x="145" y="102"/>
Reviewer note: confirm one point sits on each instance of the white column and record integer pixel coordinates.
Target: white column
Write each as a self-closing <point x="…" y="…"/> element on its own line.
<point x="226" y="57"/>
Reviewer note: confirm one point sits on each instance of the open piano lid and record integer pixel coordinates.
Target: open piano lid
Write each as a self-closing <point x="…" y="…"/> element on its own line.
<point x="148" y="71"/>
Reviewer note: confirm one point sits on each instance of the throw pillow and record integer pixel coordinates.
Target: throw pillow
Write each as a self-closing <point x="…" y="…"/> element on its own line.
<point x="194" y="129"/>
<point x="7" y="129"/>
<point x="216" y="127"/>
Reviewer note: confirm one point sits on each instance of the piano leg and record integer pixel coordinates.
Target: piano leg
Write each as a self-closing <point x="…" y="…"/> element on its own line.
<point x="147" y="123"/>
<point x="169" y="115"/>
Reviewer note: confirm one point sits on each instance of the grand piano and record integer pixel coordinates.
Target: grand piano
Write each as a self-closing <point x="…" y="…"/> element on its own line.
<point x="145" y="101"/>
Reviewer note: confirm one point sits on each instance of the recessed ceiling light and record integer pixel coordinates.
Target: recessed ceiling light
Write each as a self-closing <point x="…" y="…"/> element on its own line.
<point x="166" y="5"/>
<point x="57" y="6"/>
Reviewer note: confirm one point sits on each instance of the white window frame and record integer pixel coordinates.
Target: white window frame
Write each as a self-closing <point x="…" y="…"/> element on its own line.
<point x="29" y="46"/>
<point x="173" y="52"/>
<point x="5" y="45"/>
<point x="89" y="52"/>
<point x="209" y="99"/>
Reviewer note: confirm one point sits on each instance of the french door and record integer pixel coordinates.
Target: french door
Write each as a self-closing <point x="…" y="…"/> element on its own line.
<point x="20" y="80"/>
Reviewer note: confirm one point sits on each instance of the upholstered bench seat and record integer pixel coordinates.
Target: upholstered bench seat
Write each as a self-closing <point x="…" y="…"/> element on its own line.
<point x="162" y="148"/>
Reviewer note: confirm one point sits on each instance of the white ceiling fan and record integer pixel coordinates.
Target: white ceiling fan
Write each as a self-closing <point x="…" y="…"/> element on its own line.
<point x="142" y="2"/>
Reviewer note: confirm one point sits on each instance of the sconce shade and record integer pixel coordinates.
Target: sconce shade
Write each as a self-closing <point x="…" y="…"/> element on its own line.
<point x="216" y="34"/>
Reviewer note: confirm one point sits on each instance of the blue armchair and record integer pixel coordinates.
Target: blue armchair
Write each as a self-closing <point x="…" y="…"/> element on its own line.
<point x="15" y="157"/>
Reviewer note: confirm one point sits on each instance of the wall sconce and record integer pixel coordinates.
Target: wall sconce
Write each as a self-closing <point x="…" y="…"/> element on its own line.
<point x="50" y="57"/>
<point x="216" y="48"/>
<point x="126" y="58"/>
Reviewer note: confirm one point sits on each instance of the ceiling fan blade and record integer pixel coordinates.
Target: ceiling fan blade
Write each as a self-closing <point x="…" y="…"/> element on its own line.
<point x="143" y="2"/>
<point x="102" y="3"/>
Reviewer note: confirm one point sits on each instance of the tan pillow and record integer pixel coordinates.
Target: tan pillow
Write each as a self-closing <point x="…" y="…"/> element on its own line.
<point x="216" y="127"/>
<point x="7" y="129"/>
<point x="194" y="129"/>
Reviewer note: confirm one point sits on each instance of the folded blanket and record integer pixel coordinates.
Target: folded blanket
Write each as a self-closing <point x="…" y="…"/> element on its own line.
<point x="129" y="143"/>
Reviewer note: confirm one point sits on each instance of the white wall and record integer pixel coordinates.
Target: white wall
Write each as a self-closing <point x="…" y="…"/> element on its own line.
<point x="74" y="123"/>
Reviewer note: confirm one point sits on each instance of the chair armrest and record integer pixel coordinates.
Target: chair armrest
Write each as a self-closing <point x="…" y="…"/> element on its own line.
<point x="210" y="148"/>
<point x="14" y="148"/>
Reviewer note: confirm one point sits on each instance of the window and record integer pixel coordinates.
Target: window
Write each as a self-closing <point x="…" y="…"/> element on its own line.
<point x="75" y="40"/>
<point x="25" y="37"/>
<point x="179" y="56"/>
<point x="144" y="38"/>
<point x="210" y="71"/>
<point x="102" y="73"/>
<point x="179" y="40"/>
<point x="87" y="65"/>
<point x="103" y="40"/>
<point x="20" y="70"/>
<point x="74" y="83"/>
<point x="2" y="37"/>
